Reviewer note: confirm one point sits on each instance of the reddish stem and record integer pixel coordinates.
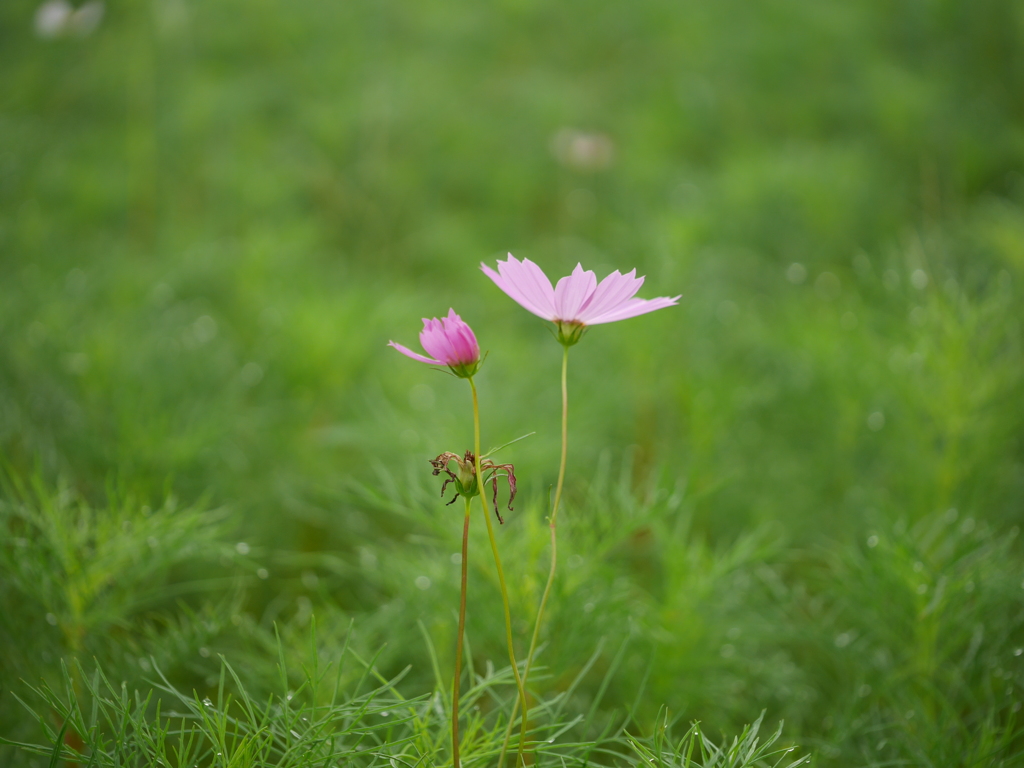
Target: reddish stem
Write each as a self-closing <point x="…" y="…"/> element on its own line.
<point x="458" y="642"/>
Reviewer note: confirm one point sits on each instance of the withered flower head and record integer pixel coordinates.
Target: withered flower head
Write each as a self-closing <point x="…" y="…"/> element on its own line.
<point x="466" y="482"/>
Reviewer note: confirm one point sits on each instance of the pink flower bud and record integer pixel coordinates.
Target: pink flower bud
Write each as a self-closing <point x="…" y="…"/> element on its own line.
<point x="450" y="341"/>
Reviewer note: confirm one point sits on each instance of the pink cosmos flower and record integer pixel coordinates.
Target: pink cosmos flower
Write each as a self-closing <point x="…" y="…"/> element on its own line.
<point x="578" y="300"/>
<point x="450" y="341"/>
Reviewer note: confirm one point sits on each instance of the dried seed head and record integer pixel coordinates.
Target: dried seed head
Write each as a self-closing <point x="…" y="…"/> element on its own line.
<point x="466" y="481"/>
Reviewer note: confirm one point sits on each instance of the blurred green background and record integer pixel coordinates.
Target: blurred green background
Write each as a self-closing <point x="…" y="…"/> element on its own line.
<point x="798" y="491"/>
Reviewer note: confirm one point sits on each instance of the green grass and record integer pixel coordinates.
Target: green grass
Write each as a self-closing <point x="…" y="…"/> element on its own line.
<point x="798" y="493"/>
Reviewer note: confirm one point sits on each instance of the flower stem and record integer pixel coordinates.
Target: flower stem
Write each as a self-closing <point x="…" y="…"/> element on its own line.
<point x="458" y="643"/>
<point x="494" y="549"/>
<point x="554" y="561"/>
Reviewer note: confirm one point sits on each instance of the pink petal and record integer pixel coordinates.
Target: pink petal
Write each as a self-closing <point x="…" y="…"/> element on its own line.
<point x="436" y="342"/>
<point x="461" y="337"/>
<point x="415" y="356"/>
<point x="471" y="347"/>
<point x="512" y="292"/>
<point x="531" y="282"/>
<point x="632" y="308"/>
<point x="572" y="293"/>
<point x="614" y="290"/>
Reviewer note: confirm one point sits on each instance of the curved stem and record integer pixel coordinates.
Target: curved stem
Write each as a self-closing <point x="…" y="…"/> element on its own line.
<point x="458" y="642"/>
<point x="554" y="559"/>
<point x="565" y="436"/>
<point x="494" y="548"/>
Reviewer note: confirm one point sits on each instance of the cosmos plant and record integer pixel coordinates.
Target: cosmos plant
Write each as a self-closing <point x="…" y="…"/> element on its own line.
<point x="453" y="343"/>
<point x="575" y="303"/>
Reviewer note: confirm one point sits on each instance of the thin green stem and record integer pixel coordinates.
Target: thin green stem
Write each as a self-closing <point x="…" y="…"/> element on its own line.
<point x="494" y="547"/>
<point x="554" y="564"/>
<point x="458" y="642"/>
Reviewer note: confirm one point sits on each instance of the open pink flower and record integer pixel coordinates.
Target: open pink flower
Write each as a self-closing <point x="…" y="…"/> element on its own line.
<point x="450" y="341"/>
<point x="578" y="300"/>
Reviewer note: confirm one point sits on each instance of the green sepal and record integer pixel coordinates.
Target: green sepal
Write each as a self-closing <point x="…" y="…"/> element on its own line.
<point x="569" y="333"/>
<point x="469" y="492"/>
